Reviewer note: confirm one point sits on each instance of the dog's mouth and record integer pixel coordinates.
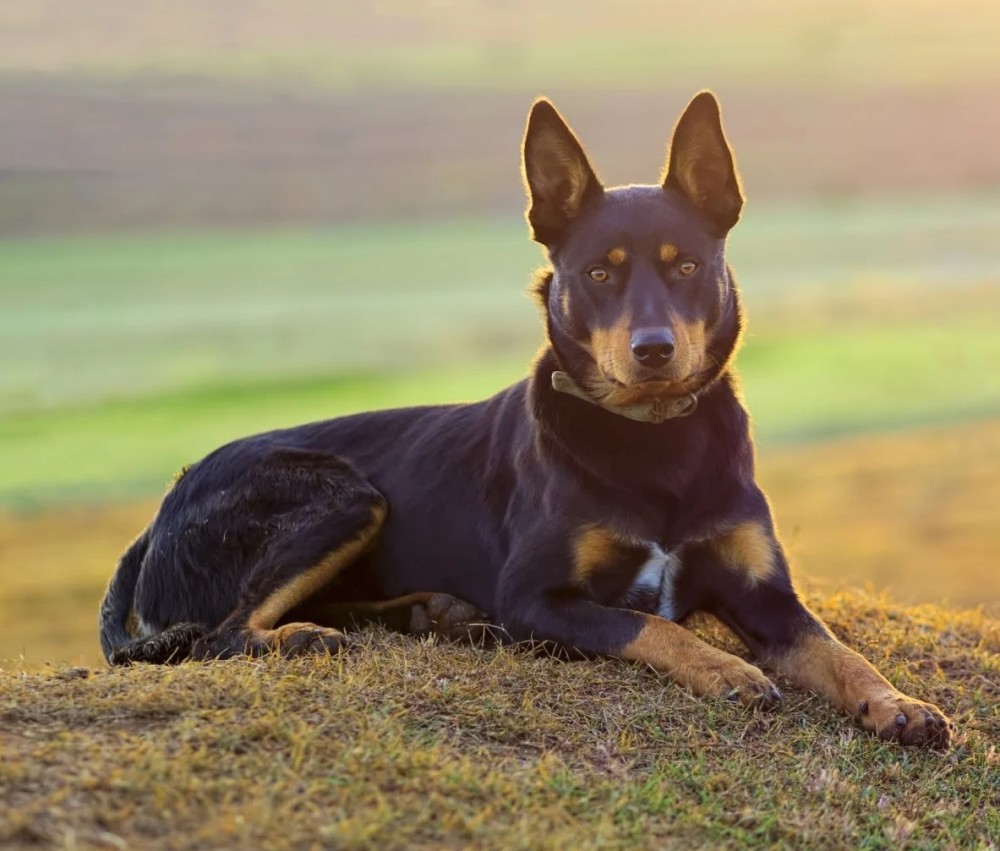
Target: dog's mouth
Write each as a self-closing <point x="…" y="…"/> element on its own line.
<point x="614" y="391"/>
<point x="675" y="380"/>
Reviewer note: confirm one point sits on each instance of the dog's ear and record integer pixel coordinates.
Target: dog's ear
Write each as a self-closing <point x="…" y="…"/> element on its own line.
<point x="700" y="164"/>
<point x="559" y="180"/>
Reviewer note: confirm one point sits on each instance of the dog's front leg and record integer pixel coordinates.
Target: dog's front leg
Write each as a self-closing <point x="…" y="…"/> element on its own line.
<point x="580" y="623"/>
<point x="745" y="575"/>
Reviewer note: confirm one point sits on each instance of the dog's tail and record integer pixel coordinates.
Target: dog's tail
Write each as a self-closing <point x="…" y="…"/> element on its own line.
<point x="117" y="603"/>
<point x="173" y="644"/>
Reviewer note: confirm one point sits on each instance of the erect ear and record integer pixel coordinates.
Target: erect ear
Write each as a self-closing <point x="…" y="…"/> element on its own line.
<point x="559" y="180"/>
<point x="700" y="164"/>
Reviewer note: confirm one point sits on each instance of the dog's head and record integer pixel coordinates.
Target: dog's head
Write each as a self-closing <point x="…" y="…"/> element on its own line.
<point x="639" y="302"/>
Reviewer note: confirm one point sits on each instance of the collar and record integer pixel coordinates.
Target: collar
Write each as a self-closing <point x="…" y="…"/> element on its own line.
<point x="656" y="411"/>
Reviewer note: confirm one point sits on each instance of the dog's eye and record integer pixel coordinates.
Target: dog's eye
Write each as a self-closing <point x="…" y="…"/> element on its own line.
<point x="688" y="267"/>
<point x="598" y="274"/>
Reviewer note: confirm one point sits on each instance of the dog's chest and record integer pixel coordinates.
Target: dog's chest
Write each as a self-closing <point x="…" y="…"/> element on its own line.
<point x="633" y="574"/>
<point x="653" y="588"/>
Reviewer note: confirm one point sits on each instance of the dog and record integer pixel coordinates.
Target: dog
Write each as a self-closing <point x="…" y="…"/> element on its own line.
<point x="594" y="505"/>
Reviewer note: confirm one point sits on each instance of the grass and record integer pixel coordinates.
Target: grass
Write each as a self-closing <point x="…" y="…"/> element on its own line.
<point x="200" y="309"/>
<point x="228" y="334"/>
<point x="800" y="385"/>
<point x="204" y="309"/>
<point x="400" y="743"/>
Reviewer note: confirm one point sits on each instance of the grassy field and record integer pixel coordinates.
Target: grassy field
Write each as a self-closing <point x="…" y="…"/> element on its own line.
<point x="400" y="743"/>
<point x="200" y="309"/>
<point x="124" y="449"/>
<point x="229" y="334"/>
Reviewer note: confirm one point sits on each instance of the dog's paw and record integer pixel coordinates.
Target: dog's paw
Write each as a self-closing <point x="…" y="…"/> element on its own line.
<point x="290" y="639"/>
<point x="895" y="717"/>
<point x="731" y="678"/>
<point x="451" y="618"/>
<point x="171" y="646"/>
<point x="300" y="639"/>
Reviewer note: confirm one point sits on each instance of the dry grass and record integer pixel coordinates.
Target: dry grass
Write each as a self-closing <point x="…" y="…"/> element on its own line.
<point x="913" y="512"/>
<point x="398" y="743"/>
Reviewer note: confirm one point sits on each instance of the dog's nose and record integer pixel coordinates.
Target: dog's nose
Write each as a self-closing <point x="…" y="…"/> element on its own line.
<point x="653" y="346"/>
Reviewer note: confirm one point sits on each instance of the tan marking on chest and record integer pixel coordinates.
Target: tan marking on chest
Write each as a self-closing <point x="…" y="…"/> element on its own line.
<point x="748" y="547"/>
<point x="605" y="562"/>
<point x="594" y="549"/>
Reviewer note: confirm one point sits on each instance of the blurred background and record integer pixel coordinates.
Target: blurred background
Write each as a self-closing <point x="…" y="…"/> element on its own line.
<point x="222" y="216"/>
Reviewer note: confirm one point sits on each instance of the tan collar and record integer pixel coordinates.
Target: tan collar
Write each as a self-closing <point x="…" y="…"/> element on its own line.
<point x="656" y="411"/>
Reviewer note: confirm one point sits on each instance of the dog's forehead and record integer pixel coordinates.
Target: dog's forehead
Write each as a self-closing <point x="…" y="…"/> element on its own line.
<point x="641" y="218"/>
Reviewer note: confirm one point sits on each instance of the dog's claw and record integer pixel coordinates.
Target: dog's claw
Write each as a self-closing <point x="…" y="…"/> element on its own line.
<point x="770" y="698"/>
<point x="758" y="697"/>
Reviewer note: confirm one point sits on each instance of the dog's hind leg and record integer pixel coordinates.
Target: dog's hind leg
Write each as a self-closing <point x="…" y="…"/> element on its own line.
<point x="306" y="548"/>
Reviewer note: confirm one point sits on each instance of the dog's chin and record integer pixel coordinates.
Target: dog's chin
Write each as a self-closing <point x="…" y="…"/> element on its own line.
<point x="622" y="393"/>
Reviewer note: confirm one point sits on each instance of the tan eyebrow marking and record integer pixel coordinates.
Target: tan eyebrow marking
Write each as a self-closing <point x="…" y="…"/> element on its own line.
<point x="616" y="256"/>
<point x="668" y="252"/>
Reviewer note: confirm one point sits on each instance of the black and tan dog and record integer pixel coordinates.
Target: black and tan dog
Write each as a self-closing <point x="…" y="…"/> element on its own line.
<point x="595" y="504"/>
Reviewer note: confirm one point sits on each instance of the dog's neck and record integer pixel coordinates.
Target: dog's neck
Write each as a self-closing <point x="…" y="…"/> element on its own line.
<point x="653" y="411"/>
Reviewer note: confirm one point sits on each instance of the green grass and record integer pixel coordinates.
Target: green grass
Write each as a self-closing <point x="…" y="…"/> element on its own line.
<point x="863" y="376"/>
<point x="400" y="743"/>
<point x="87" y="319"/>
<point x="199" y="309"/>
<point x="798" y="385"/>
<point x="126" y="357"/>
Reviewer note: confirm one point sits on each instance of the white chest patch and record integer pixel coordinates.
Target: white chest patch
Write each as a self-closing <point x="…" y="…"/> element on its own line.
<point x="656" y="579"/>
